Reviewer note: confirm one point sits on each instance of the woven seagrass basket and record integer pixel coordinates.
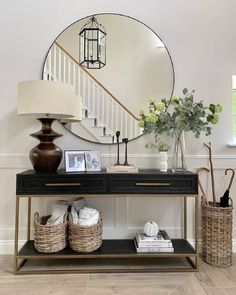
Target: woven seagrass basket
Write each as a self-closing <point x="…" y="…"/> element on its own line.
<point x="217" y="234"/>
<point x="49" y="238"/>
<point x="84" y="238"/>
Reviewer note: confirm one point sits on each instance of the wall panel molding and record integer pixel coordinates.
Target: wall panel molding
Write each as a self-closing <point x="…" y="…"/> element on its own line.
<point x="21" y="161"/>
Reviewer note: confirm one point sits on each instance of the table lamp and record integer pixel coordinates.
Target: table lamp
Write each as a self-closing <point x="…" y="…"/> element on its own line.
<point x="46" y="101"/>
<point x="77" y="112"/>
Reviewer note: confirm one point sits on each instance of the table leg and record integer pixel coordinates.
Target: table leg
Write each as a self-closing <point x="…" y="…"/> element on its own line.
<point x="16" y="233"/>
<point x="196" y="231"/>
<point x="29" y="218"/>
<point x="185" y="217"/>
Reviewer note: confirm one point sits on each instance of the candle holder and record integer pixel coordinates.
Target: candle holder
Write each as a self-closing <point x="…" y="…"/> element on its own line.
<point x="118" y="148"/>
<point x="125" y="140"/>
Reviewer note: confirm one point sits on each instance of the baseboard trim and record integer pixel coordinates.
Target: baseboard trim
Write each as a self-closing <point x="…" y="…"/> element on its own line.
<point x="7" y="246"/>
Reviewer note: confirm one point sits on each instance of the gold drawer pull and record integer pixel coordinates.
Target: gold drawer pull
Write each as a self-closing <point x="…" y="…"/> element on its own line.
<point x="64" y="184"/>
<point x="152" y="183"/>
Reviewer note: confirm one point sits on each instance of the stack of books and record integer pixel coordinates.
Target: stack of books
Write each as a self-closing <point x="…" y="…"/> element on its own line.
<point x="122" y="169"/>
<point x="159" y="243"/>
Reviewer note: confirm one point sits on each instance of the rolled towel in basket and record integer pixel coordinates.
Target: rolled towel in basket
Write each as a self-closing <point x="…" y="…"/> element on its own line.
<point x="73" y="216"/>
<point x="59" y="210"/>
<point x="78" y="203"/>
<point x="88" y="216"/>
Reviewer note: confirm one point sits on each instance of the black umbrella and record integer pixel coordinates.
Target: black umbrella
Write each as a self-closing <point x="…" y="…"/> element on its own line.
<point x="224" y="201"/>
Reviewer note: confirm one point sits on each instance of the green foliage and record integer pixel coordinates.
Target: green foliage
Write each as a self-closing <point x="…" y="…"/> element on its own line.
<point x="180" y="114"/>
<point x="158" y="145"/>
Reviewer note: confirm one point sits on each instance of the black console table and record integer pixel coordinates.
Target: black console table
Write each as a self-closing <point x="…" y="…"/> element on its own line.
<point x="147" y="182"/>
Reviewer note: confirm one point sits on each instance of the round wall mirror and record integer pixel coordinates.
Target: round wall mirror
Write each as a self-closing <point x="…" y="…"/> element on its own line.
<point x="137" y="67"/>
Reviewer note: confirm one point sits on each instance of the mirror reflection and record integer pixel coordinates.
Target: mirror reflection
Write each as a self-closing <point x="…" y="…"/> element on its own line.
<point x="138" y="67"/>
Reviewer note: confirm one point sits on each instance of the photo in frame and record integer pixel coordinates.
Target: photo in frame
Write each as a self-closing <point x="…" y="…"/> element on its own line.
<point x="92" y="161"/>
<point x="74" y="161"/>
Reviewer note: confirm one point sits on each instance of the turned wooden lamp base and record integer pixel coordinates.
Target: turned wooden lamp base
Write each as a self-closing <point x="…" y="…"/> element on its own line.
<point x="46" y="156"/>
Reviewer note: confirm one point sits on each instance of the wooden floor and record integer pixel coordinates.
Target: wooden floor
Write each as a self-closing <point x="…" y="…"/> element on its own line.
<point x="209" y="280"/>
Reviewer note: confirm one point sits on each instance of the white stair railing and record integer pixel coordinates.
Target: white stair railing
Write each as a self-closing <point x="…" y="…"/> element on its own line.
<point x="100" y="103"/>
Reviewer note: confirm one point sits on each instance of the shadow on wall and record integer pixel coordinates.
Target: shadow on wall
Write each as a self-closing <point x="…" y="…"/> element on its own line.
<point x="15" y="132"/>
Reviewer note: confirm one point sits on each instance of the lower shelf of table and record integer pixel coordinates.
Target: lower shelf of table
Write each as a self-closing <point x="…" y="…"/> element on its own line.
<point x="117" y="256"/>
<point x="109" y="249"/>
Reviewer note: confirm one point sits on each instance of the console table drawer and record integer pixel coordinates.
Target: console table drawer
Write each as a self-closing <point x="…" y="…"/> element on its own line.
<point x="69" y="184"/>
<point x="151" y="184"/>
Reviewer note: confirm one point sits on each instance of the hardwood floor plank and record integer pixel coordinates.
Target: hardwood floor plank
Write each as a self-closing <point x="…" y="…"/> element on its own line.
<point x="211" y="276"/>
<point x="209" y="280"/>
<point x="120" y="290"/>
<point x="220" y="291"/>
<point x="6" y="265"/>
<point x="43" y="284"/>
<point x="138" y="278"/>
<point x="189" y="286"/>
<point x="127" y="284"/>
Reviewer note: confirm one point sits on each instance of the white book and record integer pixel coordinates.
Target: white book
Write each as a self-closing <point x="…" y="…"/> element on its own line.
<point x="142" y="239"/>
<point x="122" y="169"/>
<point x="154" y="244"/>
<point x="153" y="249"/>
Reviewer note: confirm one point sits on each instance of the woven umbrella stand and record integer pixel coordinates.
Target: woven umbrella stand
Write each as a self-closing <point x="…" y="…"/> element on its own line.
<point x="217" y="223"/>
<point x="217" y="234"/>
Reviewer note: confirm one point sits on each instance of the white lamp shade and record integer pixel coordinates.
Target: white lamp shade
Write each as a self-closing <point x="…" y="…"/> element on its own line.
<point x="77" y="111"/>
<point x="45" y="99"/>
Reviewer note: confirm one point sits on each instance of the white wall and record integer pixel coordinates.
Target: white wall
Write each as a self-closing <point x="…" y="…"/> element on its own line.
<point x="200" y="36"/>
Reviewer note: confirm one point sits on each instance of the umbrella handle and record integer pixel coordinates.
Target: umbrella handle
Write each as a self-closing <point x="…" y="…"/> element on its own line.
<point x="232" y="176"/>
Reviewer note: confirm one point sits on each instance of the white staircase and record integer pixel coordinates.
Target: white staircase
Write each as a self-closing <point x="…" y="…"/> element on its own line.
<point x="103" y="114"/>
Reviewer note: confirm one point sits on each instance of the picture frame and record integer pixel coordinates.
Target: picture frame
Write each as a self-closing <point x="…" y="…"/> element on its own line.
<point x="74" y="161"/>
<point x="92" y="161"/>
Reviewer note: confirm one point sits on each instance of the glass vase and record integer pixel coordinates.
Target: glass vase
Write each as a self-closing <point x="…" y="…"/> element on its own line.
<point x="178" y="162"/>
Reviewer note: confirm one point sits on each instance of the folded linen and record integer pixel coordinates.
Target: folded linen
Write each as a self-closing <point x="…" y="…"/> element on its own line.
<point x="59" y="209"/>
<point x="88" y="216"/>
<point x="73" y="216"/>
<point x="78" y="203"/>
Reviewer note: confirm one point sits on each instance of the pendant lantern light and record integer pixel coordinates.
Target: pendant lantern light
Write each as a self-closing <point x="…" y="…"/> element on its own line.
<point x="92" y="43"/>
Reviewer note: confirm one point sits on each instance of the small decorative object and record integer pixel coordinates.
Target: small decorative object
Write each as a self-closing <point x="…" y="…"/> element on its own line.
<point x="92" y="161"/>
<point x="162" y="147"/>
<point x="126" y="167"/>
<point x="151" y="229"/>
<point x="118" y="148"/>
<point x="163" y="162"/>
<point x="178" y="115"/>
<point x="125" y="140"/>
<point x="74" y="161"/>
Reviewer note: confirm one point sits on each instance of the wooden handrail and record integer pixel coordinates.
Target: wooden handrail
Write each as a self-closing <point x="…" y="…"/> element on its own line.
<point x="104" y="88"/>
